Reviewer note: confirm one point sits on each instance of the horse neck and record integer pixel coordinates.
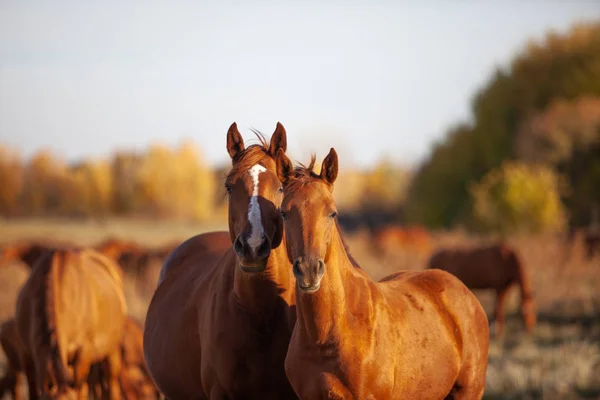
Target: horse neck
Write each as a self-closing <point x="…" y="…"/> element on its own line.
<point x="320" y="313"/>
<point x="259" y="291"/>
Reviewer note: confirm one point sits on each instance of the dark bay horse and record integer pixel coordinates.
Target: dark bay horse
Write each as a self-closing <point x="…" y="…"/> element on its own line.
<point x="219" y="323"/>
<point x="70" y="314"/>
<point x="413" y="335"/>
<point x="496" y="267"/>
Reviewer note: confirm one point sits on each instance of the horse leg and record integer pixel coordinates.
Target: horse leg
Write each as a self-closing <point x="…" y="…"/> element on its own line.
<point x="81" y="372"/>
<point x="114" y="371"/>
<point x="499" y="316"/>
<point x="31" y="375"/>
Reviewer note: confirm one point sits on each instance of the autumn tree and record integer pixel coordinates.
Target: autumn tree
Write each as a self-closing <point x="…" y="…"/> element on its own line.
<point x="11" y="181"/>
<point x="559" y="67"/>
<point x="45" y="185"/>
<point x="566" y="136"/>
<point x="519" y="198"/>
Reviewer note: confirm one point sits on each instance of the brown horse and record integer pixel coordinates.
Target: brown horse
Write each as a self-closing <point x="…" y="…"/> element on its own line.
<point x="220" y="320"/>
<point x="390" y="238"/>
<point x="132" y="257"/>
<point x="413" y="335"/>
<point x="495" y="267"/>
<point x="70" y="312"/>
<point x="13" y="348"/>
<point x="134" y="377"/>
<point x="26" y="252"/>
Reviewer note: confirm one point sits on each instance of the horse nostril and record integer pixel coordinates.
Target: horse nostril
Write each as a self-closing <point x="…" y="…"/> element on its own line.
<point x="321" y="267"/>
<point x="265" y="248"/>
<point x="238" y="246"/>
<point x="296" y="268"/>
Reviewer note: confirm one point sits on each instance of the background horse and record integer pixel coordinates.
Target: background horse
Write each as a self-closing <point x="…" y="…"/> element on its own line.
<point x="70" y="311"/>
<point x="495" y="267"/>
<point x="413" y="335"/>
<point x="219" y="323"/>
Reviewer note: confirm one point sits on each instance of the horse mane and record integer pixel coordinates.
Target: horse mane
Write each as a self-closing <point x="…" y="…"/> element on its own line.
<point x="346" y="247"/>
<point x="250" y="156"/>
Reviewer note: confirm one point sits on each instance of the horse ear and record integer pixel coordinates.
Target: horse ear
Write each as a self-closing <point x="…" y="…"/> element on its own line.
<point x="329" y="169"/>
<point x="278" y="140"/>
<point x="235" y="143"/>
<point x="284" y="167"/>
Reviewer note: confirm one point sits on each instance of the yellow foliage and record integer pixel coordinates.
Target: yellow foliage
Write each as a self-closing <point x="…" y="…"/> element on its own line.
<point x="174" y="183"/>
<point x="520" y="198"/>
<point x="11" y="181"/>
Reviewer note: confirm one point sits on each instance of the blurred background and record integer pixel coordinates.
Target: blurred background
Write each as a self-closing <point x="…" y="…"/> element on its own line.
<point x="456" y="123"/>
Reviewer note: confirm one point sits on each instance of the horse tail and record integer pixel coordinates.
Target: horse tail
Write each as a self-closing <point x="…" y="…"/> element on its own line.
<point x="52" y="274"/>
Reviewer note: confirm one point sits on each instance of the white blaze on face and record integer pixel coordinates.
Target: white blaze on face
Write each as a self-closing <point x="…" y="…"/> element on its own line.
<point x="257" y="232"/>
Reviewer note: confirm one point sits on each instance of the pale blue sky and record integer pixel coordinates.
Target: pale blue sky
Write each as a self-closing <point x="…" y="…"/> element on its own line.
<point x="371" y="78"/>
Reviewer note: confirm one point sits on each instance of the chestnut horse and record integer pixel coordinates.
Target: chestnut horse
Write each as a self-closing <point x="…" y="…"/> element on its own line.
<point x="412" y="335"/>
<point x="495" y="267"/>
<point x="391" y="238"/>
<point x="220" y="320"/>
<point x="70" y="312"/>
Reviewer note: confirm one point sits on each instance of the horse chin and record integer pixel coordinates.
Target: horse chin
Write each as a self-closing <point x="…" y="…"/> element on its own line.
<point x="309" y="289"/>
<point x="253" y="267"/>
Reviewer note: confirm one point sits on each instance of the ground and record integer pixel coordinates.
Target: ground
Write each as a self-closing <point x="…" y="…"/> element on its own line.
<point x="559" y="360"/>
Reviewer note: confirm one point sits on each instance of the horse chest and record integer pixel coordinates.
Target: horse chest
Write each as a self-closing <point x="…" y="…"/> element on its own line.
<point x="248" y="360"/>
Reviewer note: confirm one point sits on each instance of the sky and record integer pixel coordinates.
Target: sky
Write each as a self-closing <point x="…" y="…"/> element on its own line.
<point x="373" y="78"/>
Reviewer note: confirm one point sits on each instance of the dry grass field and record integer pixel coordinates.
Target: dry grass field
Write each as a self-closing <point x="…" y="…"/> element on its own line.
<point x="559" y="360"/>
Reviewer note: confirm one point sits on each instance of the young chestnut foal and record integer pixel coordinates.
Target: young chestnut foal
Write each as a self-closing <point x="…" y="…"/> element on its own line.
<point x="413" y="335"/>
<point x="219" y="324"/>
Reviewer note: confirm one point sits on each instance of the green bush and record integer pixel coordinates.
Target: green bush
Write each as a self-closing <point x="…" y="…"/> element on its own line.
<point x="519" y="198"/>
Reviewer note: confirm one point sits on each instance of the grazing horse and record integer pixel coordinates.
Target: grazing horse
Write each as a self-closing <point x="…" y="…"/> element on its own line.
<point x="26" y="252"/>
<point x="70" y="313"/>
<point x="13" y="348"/>
<point x="390" y="238"/>
<point x="219" y="323"/>
<point x="412" y="335"/>
<point x="495" y="267"/>
<point x="129" y="255"/>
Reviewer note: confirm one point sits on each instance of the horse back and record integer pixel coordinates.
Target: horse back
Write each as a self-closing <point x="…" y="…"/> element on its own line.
<point x="206" y="247"/>
<point x="481" y="268"/>
<point x="92" y="308"/>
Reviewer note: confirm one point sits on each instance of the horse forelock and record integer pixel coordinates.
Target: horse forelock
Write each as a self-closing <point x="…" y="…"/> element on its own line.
<point x="302" y="175"/>
<point x="250" y="156"/>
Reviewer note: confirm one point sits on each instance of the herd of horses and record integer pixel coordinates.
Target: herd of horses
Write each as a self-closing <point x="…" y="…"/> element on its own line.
<point x="275" y="308"/>
<point x="71" y="335"/>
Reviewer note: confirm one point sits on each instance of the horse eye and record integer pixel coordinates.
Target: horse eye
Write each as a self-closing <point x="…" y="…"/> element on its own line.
<point x="228" y="188"/>
<point x="281" y="189"/>
<point x="283" y="214"/>
<point x="333" y="214"/>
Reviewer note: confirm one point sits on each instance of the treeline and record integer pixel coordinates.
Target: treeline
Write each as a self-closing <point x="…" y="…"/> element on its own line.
<point x="161" y="182"/>
<point x="541" y="112"/>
